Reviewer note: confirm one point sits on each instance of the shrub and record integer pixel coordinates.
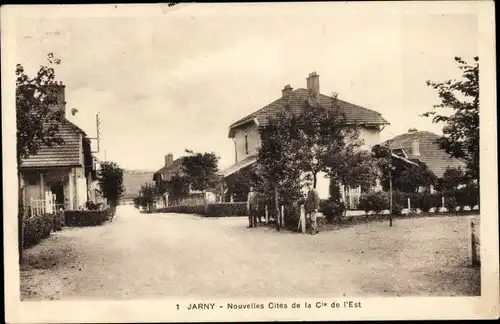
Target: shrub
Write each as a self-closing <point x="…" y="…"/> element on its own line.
<point x="140" y="202"/>
<point x="468" y="196"/>
<point x="364" y="203"/>
<point x="213" y="210"/>
<point x="450" y="203"/>
<point x="183" y="209"/>
<point x="425" y="201"/>
<point x="399" y="199"/>
<point x="58" y="220"/>
<point x="91" y="206"/>
<point x="78" y="218"/>
<point x="397" y="209"/>
<point x="292" y="216"/>
<point x="323" y="205"/>
<point x="36" y="228"/>
<point x="227" y="209"/>
<point x="332" y="209"/>
<point x="375" y="201"/>
<point x="436" y="203"/>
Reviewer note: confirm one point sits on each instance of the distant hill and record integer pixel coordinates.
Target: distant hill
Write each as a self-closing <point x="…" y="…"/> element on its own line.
<point x="133" y="180"/>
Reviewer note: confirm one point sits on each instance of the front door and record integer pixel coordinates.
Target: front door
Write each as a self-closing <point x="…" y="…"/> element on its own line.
<point x="58" y="190"/>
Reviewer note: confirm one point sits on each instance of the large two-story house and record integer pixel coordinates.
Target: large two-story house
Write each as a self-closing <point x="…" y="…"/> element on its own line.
<point x="246" y="137"/>
<point x="66" y="170"/>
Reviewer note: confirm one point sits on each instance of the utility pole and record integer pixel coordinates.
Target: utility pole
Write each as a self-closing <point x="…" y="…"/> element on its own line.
<point x="390" y="194"/>
<point x="97" y="122"/>
<point x="98" y="133"/>
<point x="390" y="182"/>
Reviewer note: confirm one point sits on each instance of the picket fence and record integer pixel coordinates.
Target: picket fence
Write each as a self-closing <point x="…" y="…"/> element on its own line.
<point x="43" y="206"/>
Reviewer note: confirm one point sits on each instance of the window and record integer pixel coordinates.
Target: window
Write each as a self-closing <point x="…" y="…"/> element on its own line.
<point x="246" y="144"/>
<point x="31" y="178"/>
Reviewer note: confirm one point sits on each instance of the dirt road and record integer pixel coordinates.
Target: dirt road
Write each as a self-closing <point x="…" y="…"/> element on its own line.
<point x="140" y="256"/>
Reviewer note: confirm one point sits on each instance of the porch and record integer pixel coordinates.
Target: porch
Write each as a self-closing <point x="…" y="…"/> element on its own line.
<point x="55" y="188"/>
<point x="47" y="205"/>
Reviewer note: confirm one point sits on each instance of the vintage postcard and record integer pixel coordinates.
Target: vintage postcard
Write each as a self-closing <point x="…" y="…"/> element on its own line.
<point x="249" y="162"/>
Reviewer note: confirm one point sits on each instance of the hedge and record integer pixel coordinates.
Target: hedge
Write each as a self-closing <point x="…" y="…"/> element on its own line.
<point x="227" y="209"/>
<point x="213" y="210"/>
<point x="452" y="198"/>
<point x="59" y="221"/>
<point x="373" y="202"/>
<point x="36" y="228"/>
<point x="379" y="201"/>
<point x="78" y="218"/>
<point x="376" y="202"/>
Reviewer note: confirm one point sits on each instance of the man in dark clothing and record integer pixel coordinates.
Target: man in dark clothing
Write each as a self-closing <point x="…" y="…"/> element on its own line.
<point x="252" y="207"/>
<point x="311" y="207"/>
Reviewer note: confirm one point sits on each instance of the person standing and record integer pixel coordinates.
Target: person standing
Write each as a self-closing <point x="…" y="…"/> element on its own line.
<point x="252" y="207"/>
<point x="311" y="207"/>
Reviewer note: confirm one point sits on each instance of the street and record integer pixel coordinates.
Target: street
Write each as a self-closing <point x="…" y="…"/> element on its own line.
<point x="141" y="256"/>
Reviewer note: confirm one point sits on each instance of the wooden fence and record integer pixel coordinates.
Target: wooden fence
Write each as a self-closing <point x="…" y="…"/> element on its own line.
<point x="352" y="198"/>
<point x="474" y="245"/>
<point x="43" y="206"/>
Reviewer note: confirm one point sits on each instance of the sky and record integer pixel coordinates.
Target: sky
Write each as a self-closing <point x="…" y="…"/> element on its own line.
<point x="174" y="81"/>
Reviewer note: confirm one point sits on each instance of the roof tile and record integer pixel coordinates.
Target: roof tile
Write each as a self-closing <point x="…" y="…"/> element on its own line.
<point x="170" y="170"/>
<point x="353" y="113"/>
<point x="65" y="154"/>
<point x="435" y="158"/>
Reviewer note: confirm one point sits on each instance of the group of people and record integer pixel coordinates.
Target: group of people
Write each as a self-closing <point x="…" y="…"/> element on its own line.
<point x="311" y="206"/>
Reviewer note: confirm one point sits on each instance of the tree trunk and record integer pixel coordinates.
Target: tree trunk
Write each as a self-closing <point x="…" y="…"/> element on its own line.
<point x="315" y="179"/>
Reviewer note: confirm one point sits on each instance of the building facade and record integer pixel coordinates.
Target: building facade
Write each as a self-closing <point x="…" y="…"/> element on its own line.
<point x="246" y="137"/>
<point x="66" y="170"/>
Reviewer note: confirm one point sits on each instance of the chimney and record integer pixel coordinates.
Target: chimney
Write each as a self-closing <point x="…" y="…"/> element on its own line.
<point x="169" y="159"/>
<point x="415" y="147"/>
<point x="313" y="83"/>
<point x="287" y="91"/>
<point x="58" y="90"/>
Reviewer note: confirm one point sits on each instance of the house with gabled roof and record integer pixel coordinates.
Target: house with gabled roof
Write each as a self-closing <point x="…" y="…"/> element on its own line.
<point x="422" y="146"/>
<point x="245" y="131"/>
<point x="167" y="171"/>
<point x="66" y="171"/>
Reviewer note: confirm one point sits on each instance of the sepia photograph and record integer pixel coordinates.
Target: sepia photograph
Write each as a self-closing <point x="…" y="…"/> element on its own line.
<point x="249" y="161"/>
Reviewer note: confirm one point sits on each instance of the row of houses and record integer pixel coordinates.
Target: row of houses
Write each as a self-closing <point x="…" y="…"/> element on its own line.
<point x="414" y="145"/>
<point x="66" y="172"/>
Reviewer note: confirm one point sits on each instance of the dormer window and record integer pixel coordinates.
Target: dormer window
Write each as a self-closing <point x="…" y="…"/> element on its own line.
<point x="246" y="144"/>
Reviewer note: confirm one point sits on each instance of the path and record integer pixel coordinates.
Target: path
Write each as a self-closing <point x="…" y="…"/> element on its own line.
<point x="151" y="255"/>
